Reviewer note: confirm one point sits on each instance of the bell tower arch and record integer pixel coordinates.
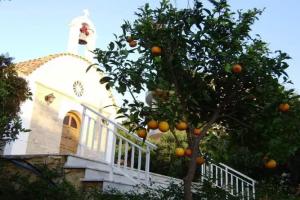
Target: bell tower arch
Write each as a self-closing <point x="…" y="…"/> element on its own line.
<point x="82" y="32"/>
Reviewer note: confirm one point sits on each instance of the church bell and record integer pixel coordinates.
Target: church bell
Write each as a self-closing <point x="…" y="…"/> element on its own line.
<point x="84" y="33"/>
<point x="82" y="39"/>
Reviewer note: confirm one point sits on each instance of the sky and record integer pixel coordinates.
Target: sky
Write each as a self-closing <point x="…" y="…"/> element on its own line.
<point x="36" y="28"/>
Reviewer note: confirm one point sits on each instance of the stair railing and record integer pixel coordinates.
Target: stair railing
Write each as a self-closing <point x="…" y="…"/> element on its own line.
<point x="227" y="178"/>
<point x="105" y="140"/>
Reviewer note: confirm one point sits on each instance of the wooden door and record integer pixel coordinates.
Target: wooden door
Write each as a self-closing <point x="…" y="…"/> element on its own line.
<point x="70" y="134"/>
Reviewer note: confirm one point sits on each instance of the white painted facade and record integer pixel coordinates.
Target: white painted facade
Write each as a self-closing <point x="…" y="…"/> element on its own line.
<point x="57" y="76"/>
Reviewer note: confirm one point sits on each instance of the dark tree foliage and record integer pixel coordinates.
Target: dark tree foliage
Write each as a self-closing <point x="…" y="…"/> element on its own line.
<point x="13" y="91"/>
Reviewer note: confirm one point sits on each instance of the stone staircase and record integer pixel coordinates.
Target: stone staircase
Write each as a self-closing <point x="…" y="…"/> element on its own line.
<point x="98" y="171"/>
<point x="82" y="172"/>
<point x="94" y="174"/>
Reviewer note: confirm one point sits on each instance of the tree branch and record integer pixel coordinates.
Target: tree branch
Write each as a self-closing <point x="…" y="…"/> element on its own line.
<point x="134" y="99"/>
<point x="208" y="125"/>
<point x="238" y="121"/>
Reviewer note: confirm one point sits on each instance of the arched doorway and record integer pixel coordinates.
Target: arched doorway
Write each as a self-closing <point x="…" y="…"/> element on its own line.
<point x="70" y="133"/>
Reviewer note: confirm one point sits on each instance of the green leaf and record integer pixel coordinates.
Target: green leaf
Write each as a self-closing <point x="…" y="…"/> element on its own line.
<point x="105" y="79"/>
<point x="111" y="46"/>
<point x="89" y="67"/>
<point x="157" y="59"/>
<point x="107" y="86"/>
<point x="227" y="68"/>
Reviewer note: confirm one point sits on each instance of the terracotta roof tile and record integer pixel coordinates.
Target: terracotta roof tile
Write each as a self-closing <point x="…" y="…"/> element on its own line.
<point x="27" y="67"/>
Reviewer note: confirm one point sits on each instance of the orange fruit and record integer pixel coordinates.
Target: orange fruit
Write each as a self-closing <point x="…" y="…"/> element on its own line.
<point x="237" y="68"/>
<point x="197" y="131"/>
<point x="181" y="126"/>
<point x="156" y="51"/>
<point x="200" y="160"/>
<point x="163" y="126"/>
<point x="188" y="152"/>
<point x="284" y="107"/>
<point x="141" y="132"/>
<point x="152" y="124"/>
<point x="179" y="152"/>
<point x="271" y="164"/>
<point x="133" y="43"/>
<point x="129" y="39"/>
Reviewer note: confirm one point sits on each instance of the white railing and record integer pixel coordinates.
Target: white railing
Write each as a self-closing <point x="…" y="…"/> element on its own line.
<point x="234" y="182"/>
<point x="103" y="139"/>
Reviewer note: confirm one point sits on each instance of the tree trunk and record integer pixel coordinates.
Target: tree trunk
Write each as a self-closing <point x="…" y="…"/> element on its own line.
<point x="188" y="179"/>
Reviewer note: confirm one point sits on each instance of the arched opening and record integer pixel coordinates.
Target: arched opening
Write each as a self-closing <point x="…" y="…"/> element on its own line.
<point x="70" y="133"/>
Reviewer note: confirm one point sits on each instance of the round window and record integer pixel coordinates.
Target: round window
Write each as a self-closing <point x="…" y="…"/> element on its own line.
<point x="78" y="88"/>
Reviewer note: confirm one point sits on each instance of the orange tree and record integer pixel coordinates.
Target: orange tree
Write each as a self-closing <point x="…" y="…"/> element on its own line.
<point x="203" y="68"/>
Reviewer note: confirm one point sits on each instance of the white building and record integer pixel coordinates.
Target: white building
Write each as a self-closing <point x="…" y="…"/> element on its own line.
<point x="60" y="87"/>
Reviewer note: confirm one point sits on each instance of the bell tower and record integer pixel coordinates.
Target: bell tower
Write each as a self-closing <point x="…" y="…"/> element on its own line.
<point x="82" y="32"/>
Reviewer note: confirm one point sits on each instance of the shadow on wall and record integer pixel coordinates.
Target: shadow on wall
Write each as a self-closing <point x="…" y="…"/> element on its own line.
<point x="46" y="129"/>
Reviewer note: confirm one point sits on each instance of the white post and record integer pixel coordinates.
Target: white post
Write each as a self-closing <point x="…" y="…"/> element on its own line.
<point x="237" y="185"/>
<point x="139" y="163"/>
<point x="202" y="171"/>
<point x="100" y="136"/>
<point x="132" y="156"/>
<point x="80" y="145"/>
<point x="147" y="167"/>
<point x="221" y="173"/>
<point x="120" y="152"/>
<point x="216" y="174"/>
<point x="243" y="195"/>
<point x="253" y="189"/>
<point x="248" y="191"/>
<point x="94" y="133"/>
<point x="226" y="178"/>
<point x="112" y="158"/>
<point x="126" y="154"/>
<point x="87" y="132"/>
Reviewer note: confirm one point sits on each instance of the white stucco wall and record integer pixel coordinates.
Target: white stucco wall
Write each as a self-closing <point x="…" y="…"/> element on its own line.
<point x="57" y="76"/>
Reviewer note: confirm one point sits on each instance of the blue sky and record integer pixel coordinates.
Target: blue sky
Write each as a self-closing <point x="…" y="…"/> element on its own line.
<point x="35" y="28"/>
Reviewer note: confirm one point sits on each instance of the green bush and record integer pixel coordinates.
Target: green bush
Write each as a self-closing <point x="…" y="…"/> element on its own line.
<point x="50" y="185"/>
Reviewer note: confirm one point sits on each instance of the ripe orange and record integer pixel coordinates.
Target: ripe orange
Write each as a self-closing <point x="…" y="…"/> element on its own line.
<point x="181" y="126"/>
<point x="129" y="39"/>
<point x="179" y="152"/>
<point x="188" y="152"/>
<point x="200" y="160"/>
<point x="271" y="164"/>
<point x="141" y="132"/>
<point x="197" y="131"/>
<point x="163" y="126"/>
<point x="156" y="50"/>
<point x="284" y="107"/>
<point x="237" y="68"/>
<point x="152" y="124"/>
<point x="133" y="43"/>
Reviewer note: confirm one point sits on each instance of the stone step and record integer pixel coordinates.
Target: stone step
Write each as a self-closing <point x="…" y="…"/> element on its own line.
<point x="101" y="170"/>
<point x="91" y="185"/>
